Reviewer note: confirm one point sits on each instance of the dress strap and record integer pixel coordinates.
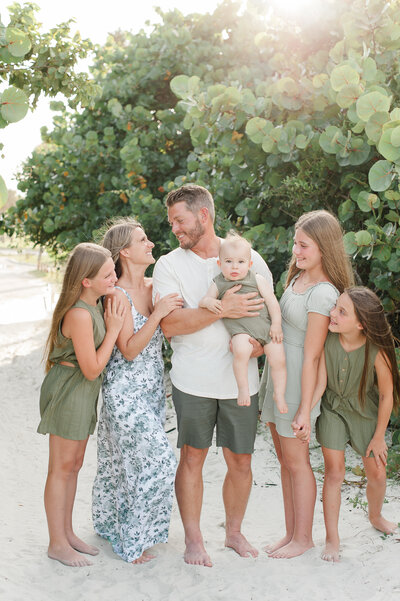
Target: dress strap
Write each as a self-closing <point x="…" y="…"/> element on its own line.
<point x="126" y="294"/>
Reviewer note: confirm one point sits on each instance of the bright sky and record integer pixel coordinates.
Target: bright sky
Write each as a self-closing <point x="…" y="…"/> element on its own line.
<point x="94" y="21"/>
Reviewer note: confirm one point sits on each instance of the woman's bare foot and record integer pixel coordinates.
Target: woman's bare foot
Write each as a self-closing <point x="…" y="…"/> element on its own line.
<point x="68" y="556"/>
<point x="383" y="525"/>
<point x="79" y="545"/>
<point x="240" y="544"/>
<point x="331" y="552"/>
<point x="292" y="549"/>
<point x="144" y="558"/>
<point x="196" y="555"/>
<point x="275" y="546"/>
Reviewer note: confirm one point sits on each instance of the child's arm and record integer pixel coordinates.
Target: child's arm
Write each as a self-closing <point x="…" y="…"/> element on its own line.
<point x="385" y="386"/>
<point x="77" y="325"/>
<point x="210" y="300"/>
<point x="273" y="307"/>
<point x="318" y="392"/>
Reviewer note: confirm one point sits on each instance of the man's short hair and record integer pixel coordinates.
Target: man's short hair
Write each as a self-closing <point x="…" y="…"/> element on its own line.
<point x="195" y="197"/>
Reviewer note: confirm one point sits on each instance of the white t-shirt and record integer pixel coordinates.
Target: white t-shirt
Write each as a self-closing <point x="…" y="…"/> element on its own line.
<point x="202" y="361"/>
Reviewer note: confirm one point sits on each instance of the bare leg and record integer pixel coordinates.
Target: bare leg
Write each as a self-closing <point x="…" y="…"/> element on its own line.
<point x="189" y="494"/>
<point x="287" y="493"/>
<point x="236" y="491"/>
<point x="376" y="488"/>
<point x="75" y="541"/>
<point x="331" y="498"/>
<point x="62" y="462"/>
<point x="296" y="458"/>
<point x="242" y="349"/>
<point x="277" y="362"/>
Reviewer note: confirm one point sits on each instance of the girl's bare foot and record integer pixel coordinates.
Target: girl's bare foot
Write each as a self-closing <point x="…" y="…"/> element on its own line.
<point x="241" y="545"/>
<point x="331" y="552"/>
<point x="292" y="549"/>
<point x="79" y="545"/>
<point x="144" y="558"/>
<point x="68" y="556"/>
<point x="275" y="546"/>
<point x="383" y="525"/>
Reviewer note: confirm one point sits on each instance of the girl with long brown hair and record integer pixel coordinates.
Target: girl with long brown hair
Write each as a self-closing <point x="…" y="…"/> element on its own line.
<point x="78" y="347"/>
<point x="318" y="272"/>
<point x="361" y="377"/>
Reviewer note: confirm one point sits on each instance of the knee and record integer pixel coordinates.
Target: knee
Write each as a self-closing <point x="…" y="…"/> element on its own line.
<point x="240" y="464"/>
<point x="377" y="477"/>
<point x="334" y="475"/>
<point x="192" y="459"/>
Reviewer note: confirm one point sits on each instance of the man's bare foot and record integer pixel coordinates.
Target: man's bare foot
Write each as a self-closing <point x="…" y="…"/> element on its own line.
<point x="243" y="399"/>
<point x="292" y="549"/>
<point x="196" y="555"/>
<point x="144" y="558"/>
<point x="275" y="546"/>
<point x="281" y="404"/>
<point x="240" y="544"/>
<point x="331" y="552"/>
<point x="79" y="545"/>
<point x="383" y="525"/>
<point x="68" y="556"/>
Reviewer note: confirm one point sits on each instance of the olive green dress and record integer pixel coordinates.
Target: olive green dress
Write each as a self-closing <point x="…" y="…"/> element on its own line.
<point x="257" y="327"/>
<point x="343" y="420"/>
<point x="68" y="400"/>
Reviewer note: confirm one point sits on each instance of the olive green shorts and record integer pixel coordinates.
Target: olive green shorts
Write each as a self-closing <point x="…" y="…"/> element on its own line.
<point x="335" y="430"/>
<point x="198" y="416"/>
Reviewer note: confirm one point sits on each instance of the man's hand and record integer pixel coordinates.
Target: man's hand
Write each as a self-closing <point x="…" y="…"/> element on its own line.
<point x="240" y="305"/>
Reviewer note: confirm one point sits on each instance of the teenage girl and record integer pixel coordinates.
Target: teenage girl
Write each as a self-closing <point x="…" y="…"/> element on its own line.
<point x="362" y="383"/>
<point x="78" y="347"/>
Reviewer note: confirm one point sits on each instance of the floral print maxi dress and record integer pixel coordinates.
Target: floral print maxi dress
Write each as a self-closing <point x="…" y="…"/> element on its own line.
<point x="133" y="488"/>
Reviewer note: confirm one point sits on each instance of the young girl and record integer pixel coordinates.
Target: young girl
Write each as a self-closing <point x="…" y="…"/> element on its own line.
<point x="78" y="347"/>
<point x="318" y="272"/>
<point x="235" y="262"/>
<point x="362" y="383"/>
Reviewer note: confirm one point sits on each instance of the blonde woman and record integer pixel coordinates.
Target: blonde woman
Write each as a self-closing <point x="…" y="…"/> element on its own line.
<point x="133" y="489"/>
<point x="78" y="347"/>
<point x="318" y="272"/>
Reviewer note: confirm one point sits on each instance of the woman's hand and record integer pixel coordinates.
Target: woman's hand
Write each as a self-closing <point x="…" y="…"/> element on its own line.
<point x="301" y="426"/>
<point x="378" y="447"/>
<point x="114" y="315"/>
<point x="168" y="303"/>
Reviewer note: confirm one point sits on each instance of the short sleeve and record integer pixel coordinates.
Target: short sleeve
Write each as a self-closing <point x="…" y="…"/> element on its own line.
<point x="165" y="280"/>
<point x="322" y="298"/>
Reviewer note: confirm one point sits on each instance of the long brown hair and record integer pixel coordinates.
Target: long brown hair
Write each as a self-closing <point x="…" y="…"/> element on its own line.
<point x="324" y="229"/>
<point x="119" y="236"/>
<point x="377" y="331"/>
<point x="84" y="262"/>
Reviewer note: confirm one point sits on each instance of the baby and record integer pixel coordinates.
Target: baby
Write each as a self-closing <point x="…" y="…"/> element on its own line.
<point x="235" y="262"/>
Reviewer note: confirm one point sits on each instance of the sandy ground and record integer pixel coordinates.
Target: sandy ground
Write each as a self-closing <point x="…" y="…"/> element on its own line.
<point x="370" y="565"/>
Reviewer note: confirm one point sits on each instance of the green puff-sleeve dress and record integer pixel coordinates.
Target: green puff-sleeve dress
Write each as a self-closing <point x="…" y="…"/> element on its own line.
<point x="295" y="308"/>
<point x="68" y="400"/>
<point x="343" y="420"/>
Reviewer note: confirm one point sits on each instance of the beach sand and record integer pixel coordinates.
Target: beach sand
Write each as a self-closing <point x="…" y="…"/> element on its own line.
<point x="368" y="571"/>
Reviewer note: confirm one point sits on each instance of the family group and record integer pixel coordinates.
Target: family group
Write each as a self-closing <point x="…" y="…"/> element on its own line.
<point x="330" y="358"/>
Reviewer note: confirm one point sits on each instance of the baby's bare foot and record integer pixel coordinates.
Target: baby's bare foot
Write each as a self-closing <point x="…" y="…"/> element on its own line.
<point x="243" y="399"/>
<point x="281" y="404"/>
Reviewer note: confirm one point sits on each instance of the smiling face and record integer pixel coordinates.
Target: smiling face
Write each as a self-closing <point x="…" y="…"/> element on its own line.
<point x="104" y="281"/>
<point x="185" y="225"/>
<point x="140" y="249"/>
<point x="306" y="251"/>
<point x="343" y="319"/>
<point x="234" y="260"/>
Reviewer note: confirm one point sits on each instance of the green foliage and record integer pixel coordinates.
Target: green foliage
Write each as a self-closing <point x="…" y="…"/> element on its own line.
<point x="215" y="100"/>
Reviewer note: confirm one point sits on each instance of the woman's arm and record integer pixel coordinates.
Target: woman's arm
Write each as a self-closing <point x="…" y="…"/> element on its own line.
<point x="78" y="326"/>
<point x="385" y="386"/>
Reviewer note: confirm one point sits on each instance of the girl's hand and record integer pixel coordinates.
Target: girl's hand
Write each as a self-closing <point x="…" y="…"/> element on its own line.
<point x="276" y="333"/>
<point x="114" y="315"/>
<point x="168" y="303"/>
<point x="301" y="427"/>
<point x="378" y="447"/>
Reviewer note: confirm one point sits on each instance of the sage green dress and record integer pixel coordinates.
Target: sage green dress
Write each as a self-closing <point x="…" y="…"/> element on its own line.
<point x="343" y="420"/>
<point x="295" y="308"/>
<point x="68" y="400"/>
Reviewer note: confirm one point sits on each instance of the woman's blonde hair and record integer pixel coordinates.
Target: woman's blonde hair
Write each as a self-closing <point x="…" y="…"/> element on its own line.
<point x="119" y="236"/>
<point x="324" y="229"/>
<point x="84" y="262"/>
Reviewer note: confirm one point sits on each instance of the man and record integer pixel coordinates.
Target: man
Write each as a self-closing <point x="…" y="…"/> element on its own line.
<point x="204" y="388"/>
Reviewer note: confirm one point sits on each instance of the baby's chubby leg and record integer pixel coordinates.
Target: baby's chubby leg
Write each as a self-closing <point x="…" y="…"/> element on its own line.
<point x="275" y="354"/>
<point x="242" y="349"/>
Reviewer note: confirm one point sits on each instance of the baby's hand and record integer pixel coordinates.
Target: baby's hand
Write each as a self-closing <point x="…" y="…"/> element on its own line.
<point x="276" y="333"/>
<point x="212" y="304"/>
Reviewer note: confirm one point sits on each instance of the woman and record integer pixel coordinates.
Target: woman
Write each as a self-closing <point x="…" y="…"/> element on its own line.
<point x="318" y="272"/>
<point x="132" y="493"/>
